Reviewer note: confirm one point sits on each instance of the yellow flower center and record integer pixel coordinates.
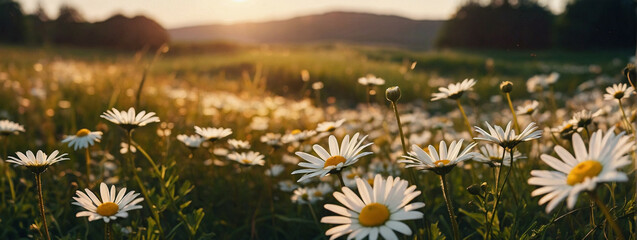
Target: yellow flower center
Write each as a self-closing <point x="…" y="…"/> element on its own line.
<point x="441" y="162"/>
<point x="582" y="171"/>
<point x="246" y="161"/>
<point x="373" y="215"/>
<point x="370" y="181"/>
<point x="318" y="194"/>
<point x="107" y="209"/>
<point x="334" y="160"/>
<point x="330" y="128"/>
<point x="82" y="132"/>
<point x="351" y="176"/>
<point x="295" y="131"/>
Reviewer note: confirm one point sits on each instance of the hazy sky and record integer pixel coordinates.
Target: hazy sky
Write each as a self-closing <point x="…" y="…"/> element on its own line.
<point x="175" y="13"/>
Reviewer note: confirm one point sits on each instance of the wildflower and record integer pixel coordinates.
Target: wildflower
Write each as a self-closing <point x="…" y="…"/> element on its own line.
<point x="371" y="80"/>
<point x="192" y="141"/>
<point x="566" y="129"/>
<point x="8" y="127"/>
<point x="378" y="210"/>
<point x="329" y="126"/>
<point x="39" y="162"/>
<point x="272" y="139"/>
<point x="298" y="136"/>
<point x="440" y="161"/>
<point x="492" y="154"/>
<point x="250" y="158"/>
<point x="335" y="160"/>
<point x="129" y="120"/>
<point x="275" y="170"/>
<point x="606" y="154"/>
<point x="213" y="134"/>
<point x="238" y="144"/>
<point x="507" y="138"/>
<point x="83" y="139"/>
<point x="455" y="90"/>
<point x="618" y="91"/>
<point x="111" y="206"/>
<point x="528" y="108"/>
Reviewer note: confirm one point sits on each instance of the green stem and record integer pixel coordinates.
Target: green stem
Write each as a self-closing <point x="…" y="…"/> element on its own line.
<point x="466" y="119"/>
<point x="107" y="232"/>
<point x="340" y="178"/>
<point x="498" y="193"/>
<point x="609" y="218"/>
<point x="629" y="124"/>
<point x="318" y="225"/>
<point x="454" y="223"/>
<point x="515" y="117"/>
<point x="7" y="170"/>
<point x="400" y="128"/>
<point x="88" y="167"/>
<point x="151" y="205"/>
<point x="38" y="183"/>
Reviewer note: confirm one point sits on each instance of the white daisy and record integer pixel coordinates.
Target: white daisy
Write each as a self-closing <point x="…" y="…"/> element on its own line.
<point x="492" y="154"/>
<point x="371" y="80"/>
<point x="582" y="172"/>
<point x="37" y="163"/>
<point x="192" y="141"/>
<point x="455" y="90"/>
<point x="83" y="139"/>
<point x="297" y="136"/>
<point x="238" y="144"/>
<point x="275" y="170"/>
<point x="250" y="158"/>
<point x="507" y="138"/>
<point x="379" y="209"/>
<point x="272" y="139"/>
<point x="618" y="91"/>
<point x="329" y="126"/>
<point x="528" y="108"/>
<point x="8" y="127"/>
<point x="440" y="161"/>
<point x="213" y="134"/>
<point x="566" y="129"/>
<point x="300" y="196"/>
<point x="584" y="118"/>
<point x="319" y="192"/>
<point x="111" y="207"/>
<point x="335" y="160"/>
<point x="129" y="120"/>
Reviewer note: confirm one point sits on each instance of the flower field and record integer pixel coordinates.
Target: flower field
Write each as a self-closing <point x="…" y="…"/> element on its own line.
<point x="316" y="142"/>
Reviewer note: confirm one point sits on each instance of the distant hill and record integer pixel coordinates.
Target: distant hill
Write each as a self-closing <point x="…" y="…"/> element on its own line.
<point x="348" y="27"/>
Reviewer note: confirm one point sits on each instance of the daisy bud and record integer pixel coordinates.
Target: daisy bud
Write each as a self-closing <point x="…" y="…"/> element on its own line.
<point x="392" y="94"/>
<point x="474" y="189"/>
<point x="483" y="186"/>
<point x="506" y="87"/>
<point x="629" y="72"/>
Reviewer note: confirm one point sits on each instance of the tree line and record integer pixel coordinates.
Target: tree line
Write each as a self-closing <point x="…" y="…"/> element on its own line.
<point x="70" y="28"/>
<point x="524" y="24"/>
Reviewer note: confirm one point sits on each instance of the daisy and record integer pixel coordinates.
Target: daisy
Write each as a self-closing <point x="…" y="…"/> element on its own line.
<point x="371" y="80"/>
<point x="272" y="139"/>
<point x="329" y="126"/>
<point x="39" y="162"/>
<point x="250" y="158"/>
<point x="319" y="192"/>
<point x="566" y="129"/>
<point x="83" y="139"/>
<point x="8" y="127"/>
<point x="213" y="134"/>
<point x="129" y="120"/>
<point x="378" y="210"/>
<point x="298" y="136"/>
<point x="618" y="91"/>
<point x="507" y="138"/>
<point x="440" y="161"/>
<point x="584" y="118"/>
<point x="334" y="161"/>
<point x="300" y="196"/>
<point x="528" y="108"/>
<point x="192" y="141"/>
<point x="455" y="90"/>
<point x="275" y="170"/>
<point x="238" y="144"/>
<point x="600" y="163"/>
<point x="492" y="154"/>
<point x="111" y="206"/>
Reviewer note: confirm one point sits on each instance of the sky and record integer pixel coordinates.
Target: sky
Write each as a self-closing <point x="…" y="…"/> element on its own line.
<point x="176" y="13"/>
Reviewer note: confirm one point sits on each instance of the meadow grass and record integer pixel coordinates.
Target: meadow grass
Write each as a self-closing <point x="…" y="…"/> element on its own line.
<point x="55" y="92"/>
